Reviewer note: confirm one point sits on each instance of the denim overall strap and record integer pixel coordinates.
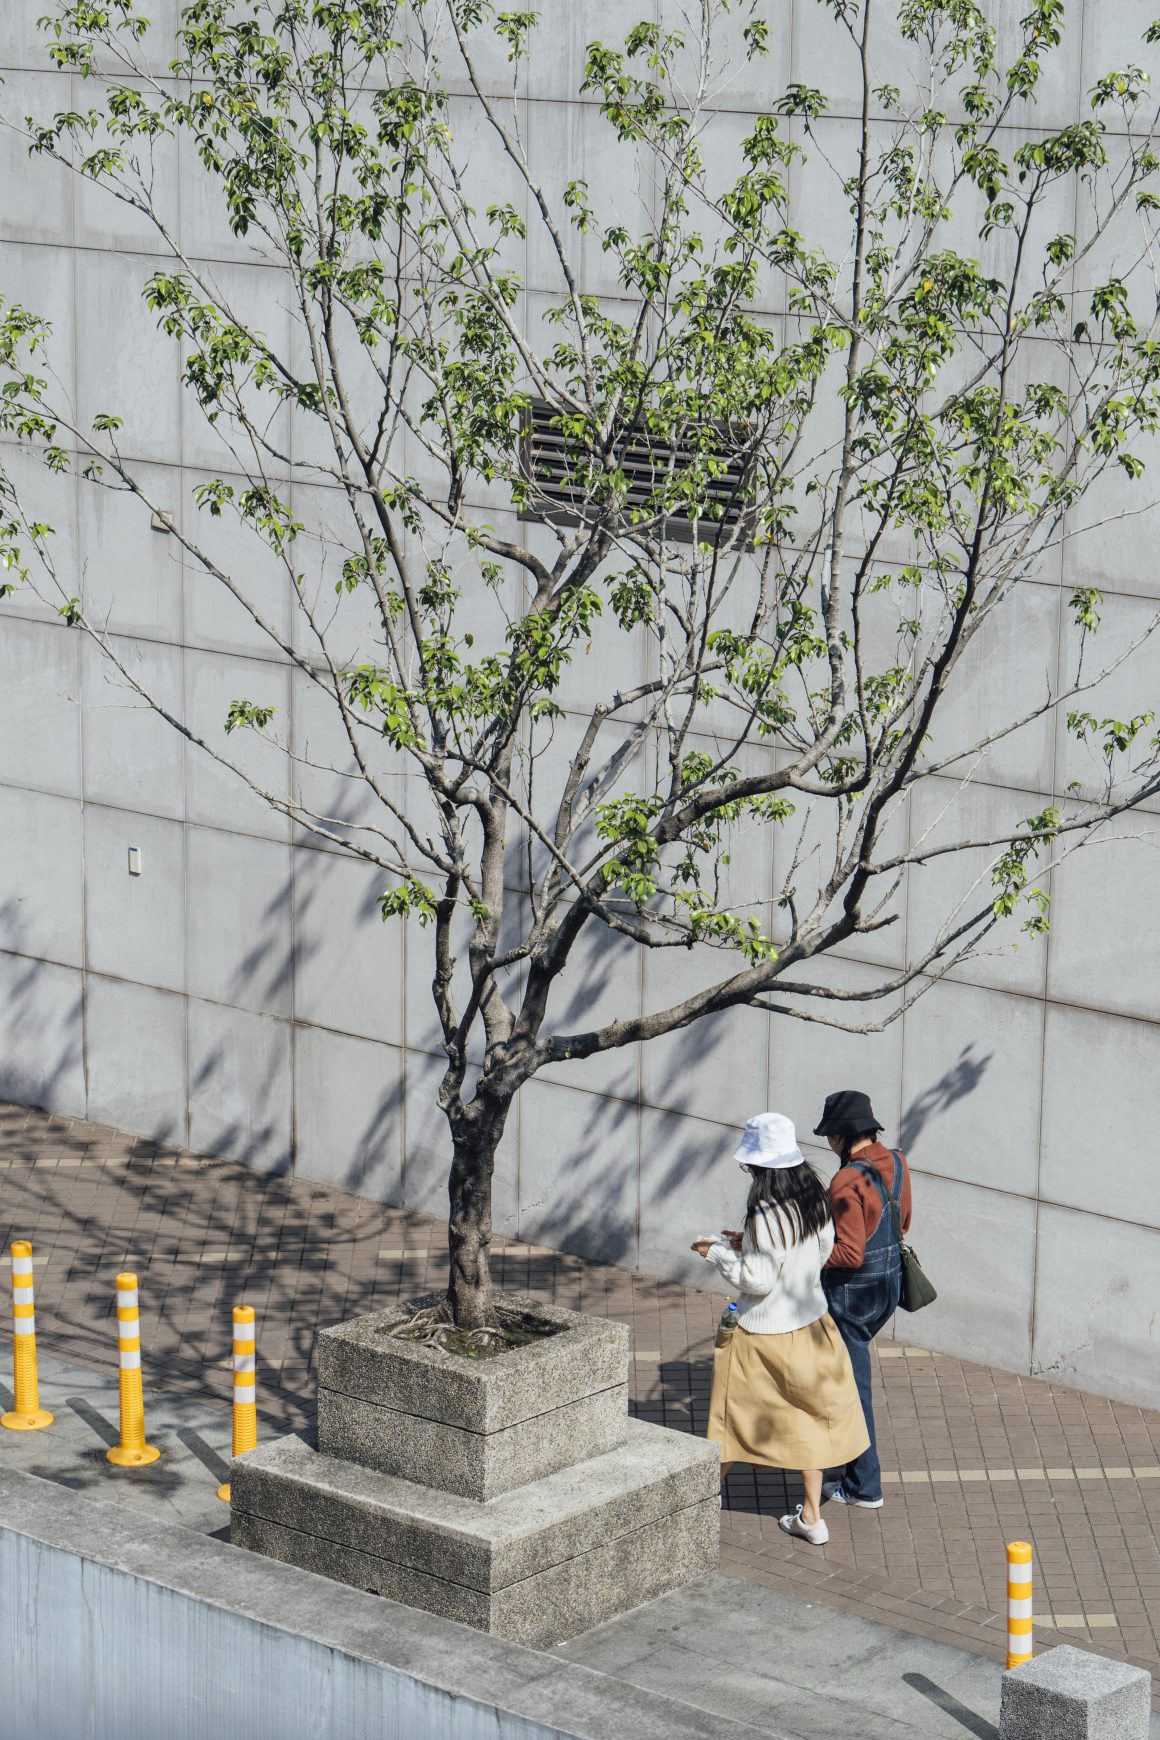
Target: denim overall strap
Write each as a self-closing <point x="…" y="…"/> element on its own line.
<point x="883" y="1255"/>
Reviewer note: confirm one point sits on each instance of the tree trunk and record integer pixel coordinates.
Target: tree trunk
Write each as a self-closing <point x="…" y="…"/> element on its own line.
<point x="475" y="1141"/>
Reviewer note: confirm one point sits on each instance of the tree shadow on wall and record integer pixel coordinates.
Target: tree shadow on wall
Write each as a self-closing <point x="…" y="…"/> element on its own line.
<point x="265" y="972"/>
<point x="598" y="1171"/>
<point x="41" y="1023"/>
<point x="240" y="1079"/>
<point x="956" y="1084"/>
<point x="577" y="1172"/>
<point x="372" y="1168"/>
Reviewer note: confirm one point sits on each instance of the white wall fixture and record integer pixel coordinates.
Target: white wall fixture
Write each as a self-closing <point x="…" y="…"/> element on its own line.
<point x="134" y="860"/>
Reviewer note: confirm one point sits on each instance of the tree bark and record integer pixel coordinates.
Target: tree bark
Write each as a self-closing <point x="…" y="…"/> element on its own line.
<point x="474" y="1140"/>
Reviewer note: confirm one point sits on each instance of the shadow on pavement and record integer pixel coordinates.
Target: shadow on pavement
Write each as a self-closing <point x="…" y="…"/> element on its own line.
<point x="951" y="1706"/>
<point x="205" y="1453"/>
<point x="96" y="1421"/>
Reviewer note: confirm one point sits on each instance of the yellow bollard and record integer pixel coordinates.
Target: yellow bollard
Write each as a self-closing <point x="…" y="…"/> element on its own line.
<point x="132" y="1451"/>
<point x="26" y="1414"/>
<point x="1019" y="1646"/>
<point x="245" y="1422"/>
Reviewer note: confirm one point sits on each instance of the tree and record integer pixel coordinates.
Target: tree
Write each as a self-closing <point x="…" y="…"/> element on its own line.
<point x="805" y="481"/>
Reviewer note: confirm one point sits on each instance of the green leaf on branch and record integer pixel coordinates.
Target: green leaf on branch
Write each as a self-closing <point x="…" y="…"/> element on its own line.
<point x="245" y="714"/>
<point x="410" y="899"/>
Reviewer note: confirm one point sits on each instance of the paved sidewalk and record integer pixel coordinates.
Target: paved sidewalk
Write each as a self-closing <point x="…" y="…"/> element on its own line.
<point x="796" y="1669"/>
<point x="192" y="1436"/>
<point x="974" y="1456"/>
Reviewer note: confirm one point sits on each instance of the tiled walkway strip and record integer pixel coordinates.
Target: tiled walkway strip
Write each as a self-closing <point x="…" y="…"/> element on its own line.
<point x="974" y="1457"/>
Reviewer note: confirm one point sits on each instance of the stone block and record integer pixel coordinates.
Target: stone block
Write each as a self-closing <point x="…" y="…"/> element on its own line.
<point x="39" y="682"/>
<point x="980" y="1244"/>
<point x="37" y="207"/>
<point x="567" y="1133"/>
<point x="348" y="963"/>
<point x="363" y="1358"/>
<point x="537" y="1565"/>
<point x="349" y="1121"/>
<point x="42" y="1035"/>
<point x="476" y="1465"/>
<point x="133" y="758"/>
<point x="971" y="1088"/>
<point x="40" y="910"/>
<point x="135" y="925"/>
<point x="1099" y="1337"/>
<point x="141" y="371"/>
<point x="240" y="1086"/>
<point x="475" y="1428"/>
<point x="215" y="794"/>
<point x="135" y="1057"/>
<point x="1070" y="1694"/>
<point x="240" y="950"/>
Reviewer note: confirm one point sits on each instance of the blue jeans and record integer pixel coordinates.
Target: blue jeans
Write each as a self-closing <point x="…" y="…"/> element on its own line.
<point x="862" y="1301"/>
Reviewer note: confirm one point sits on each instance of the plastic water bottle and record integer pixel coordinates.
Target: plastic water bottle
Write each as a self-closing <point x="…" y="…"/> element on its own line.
<point x="729" y="1316"/>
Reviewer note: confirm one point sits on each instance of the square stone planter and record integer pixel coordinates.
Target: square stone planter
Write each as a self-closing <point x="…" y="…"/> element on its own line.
<point x="536" y="1566"/>
<point x="474" y="1427"/>
<point x="513" y="1494"/>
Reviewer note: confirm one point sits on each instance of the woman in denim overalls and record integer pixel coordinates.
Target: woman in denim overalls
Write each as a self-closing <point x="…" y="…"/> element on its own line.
<point x="863" y="1295"/>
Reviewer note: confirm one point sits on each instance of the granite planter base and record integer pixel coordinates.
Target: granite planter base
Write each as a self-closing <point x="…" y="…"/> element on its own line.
<point x="474" y="1427"/>
<point x="536" y="1565"/>
<point x="513" y="1494"/>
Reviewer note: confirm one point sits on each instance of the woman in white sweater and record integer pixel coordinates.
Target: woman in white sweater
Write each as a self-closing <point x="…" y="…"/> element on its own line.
<point x="783" y="1388"/>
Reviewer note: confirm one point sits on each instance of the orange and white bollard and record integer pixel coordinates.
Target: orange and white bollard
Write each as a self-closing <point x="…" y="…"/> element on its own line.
<point x="245" y="1420"/>
<point x="1019" y="1646"/>
<point x="132" y="1451"/>
<point x="26" y="1413"/>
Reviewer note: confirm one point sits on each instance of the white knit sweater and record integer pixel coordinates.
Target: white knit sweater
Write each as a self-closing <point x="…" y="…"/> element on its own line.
<point x="779" y="1285"/>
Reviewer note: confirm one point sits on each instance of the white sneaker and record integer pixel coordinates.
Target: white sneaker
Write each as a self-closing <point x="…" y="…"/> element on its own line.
<point x="838" y="1495"/>
<point x="817" y="1534"/>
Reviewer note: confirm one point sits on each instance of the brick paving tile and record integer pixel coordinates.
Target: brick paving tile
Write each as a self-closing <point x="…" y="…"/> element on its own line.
<point x="972" y="1456"/>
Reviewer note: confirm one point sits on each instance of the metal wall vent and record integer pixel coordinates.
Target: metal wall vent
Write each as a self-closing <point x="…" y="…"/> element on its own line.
<point x="549" y="461"/>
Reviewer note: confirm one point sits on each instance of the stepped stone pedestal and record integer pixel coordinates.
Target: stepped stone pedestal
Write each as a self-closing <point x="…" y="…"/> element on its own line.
<point x="513" y="1493"/>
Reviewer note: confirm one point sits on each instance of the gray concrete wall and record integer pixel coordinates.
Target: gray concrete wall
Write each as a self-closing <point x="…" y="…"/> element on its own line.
<point x="115" y="1624"/>
<point x="242" y="996"/>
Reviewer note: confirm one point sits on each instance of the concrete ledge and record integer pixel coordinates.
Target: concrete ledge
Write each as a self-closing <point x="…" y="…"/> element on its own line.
<point x="148" y="1628"/>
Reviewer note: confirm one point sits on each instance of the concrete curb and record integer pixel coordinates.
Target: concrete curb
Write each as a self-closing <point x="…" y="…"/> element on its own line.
<point x="60" y="1622"/>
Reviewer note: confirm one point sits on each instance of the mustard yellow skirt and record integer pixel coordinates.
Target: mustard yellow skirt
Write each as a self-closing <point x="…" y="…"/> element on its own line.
<point x="786" y="1401"/>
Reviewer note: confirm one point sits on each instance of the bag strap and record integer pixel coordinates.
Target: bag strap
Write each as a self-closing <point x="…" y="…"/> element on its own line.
<point x="895" y="1207"/>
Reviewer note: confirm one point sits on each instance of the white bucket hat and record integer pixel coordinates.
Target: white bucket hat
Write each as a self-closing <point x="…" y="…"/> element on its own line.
<point x="770" y="1140"/>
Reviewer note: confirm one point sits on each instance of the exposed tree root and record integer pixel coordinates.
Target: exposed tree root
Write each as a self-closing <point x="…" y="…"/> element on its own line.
<point x="434" y="1326"/>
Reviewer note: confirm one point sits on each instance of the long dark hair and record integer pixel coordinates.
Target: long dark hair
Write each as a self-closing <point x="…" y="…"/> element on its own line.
<point x="796" y="1197"/>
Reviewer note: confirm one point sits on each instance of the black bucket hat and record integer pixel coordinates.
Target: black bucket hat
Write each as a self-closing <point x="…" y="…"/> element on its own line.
<point x="847" y="1113"/>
